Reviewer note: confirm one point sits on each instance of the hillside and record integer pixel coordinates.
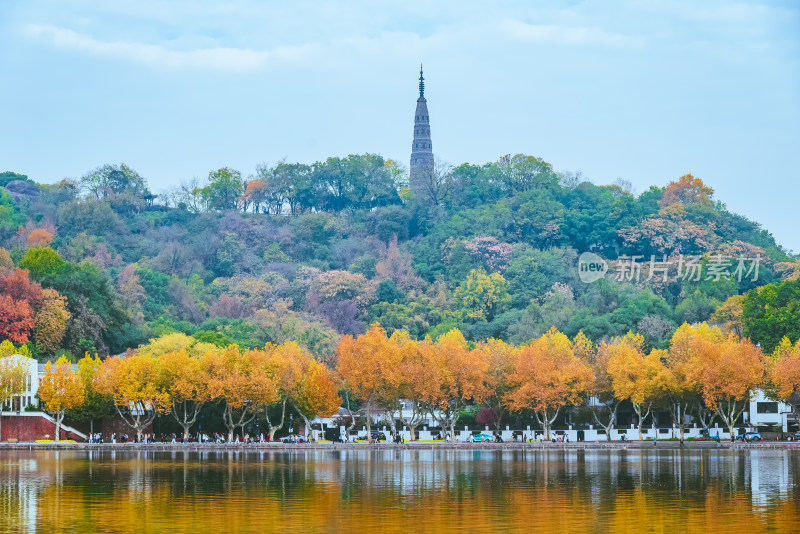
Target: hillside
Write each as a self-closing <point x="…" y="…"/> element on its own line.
<point x="310" y="252"/>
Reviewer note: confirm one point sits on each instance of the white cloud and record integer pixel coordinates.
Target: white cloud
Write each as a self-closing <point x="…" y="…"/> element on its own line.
<point x="219" y="58"/>
<point x="563" y="34"/>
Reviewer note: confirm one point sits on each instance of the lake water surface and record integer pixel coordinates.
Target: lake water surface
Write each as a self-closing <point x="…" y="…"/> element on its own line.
<point x="400" y="491"/>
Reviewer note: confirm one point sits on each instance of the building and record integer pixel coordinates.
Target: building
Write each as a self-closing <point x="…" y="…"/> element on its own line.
<point x="421" y="175"/>
<point x="22" y="419"/>
<point x="19" y="403"/>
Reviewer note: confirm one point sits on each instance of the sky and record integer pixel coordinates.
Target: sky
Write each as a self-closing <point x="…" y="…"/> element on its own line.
<point x="633" y="89"/>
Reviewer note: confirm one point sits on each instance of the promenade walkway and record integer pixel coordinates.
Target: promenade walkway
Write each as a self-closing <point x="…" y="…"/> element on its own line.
<point x="276" y="446"/>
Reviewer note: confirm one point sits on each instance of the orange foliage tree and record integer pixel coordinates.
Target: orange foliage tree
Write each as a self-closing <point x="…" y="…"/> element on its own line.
<point x="681" y="392"/>
<point x="416" y="378"/>
<point x="317" y="395"/>
<point x="243" y="382"/>
<point x="133" y="382"/>
<point x="369" y="365"/>
<point x="501" y="357"/>
<point x="461" y="375"/>
<point x="186" y="380"/>
<point x="60" y="389"/>
<point x="635" y="376"/>
<point x="686" y="190"/>
<point x="785" y="374"/>
<point x="726" y="370"/>
<point x="39" y="238"/>
<point x="603" y="404"/>
<point x="285" y="366"/>
<point x="546" y="376"/>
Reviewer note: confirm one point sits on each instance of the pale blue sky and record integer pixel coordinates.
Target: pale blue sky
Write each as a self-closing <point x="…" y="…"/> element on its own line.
<point x="642" y="90"/>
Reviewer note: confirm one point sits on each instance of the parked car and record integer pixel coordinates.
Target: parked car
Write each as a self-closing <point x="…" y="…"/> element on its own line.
<point x="485" y="437"/>
<point x="749" y="436"/>
<point x="293" y="439"/>
<point x="796" y="436"/>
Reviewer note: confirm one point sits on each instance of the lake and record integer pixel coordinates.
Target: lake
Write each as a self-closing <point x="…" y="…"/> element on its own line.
<point x="406" y="491"/>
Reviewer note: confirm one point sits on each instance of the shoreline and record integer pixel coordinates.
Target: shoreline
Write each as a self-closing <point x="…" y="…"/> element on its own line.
<point x="276" y="446"/>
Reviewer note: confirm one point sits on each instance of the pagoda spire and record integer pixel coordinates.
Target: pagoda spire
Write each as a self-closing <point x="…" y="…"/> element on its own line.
<point x="421" y="175"/>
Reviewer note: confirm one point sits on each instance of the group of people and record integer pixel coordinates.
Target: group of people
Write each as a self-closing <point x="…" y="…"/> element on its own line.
<point x="175" y="438"/>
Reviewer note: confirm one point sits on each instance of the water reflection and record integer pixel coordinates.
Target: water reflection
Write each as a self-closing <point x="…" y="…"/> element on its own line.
<point x="398" y="491"/>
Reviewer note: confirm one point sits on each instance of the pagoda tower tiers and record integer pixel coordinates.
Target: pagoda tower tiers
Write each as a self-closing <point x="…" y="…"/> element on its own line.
<point x="421" y="149"/>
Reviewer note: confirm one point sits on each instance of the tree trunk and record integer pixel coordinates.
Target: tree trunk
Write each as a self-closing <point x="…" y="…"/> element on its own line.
<point x="417" y="416"/>
<point x="58" y="416"/>
<point x="729" y="412"/>
<point x="612" y="419"/>
<point x="352" y="417"/>
<point x="306" y="422"/>
<point x="245" y="417"/>
<point x="138" y="419"/>
<point x="392" y="425"/>
<point x="449" y="417"/>
<point x="184" y="416"/>
<point x="273" y="429"/>
<point x="677" y="416"/>
<point x="638" y="409"/>
<point x="704" y="415"/>
<point x="497" y="410"/>
<point x="545" y="421"/>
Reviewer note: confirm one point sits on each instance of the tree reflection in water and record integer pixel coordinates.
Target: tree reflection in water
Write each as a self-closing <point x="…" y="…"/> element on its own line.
<point x="398" y="491"/>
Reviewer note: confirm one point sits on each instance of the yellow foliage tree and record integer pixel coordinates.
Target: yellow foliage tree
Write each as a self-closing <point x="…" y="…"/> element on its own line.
<point x="501" y="357"/>
<point x="546" y="376"/>
<point x="186" y="380"/>
<point x="724" y="368"/>
<point x="416" y="378"/>
<point x="133" y="382"/>
<point x="7" y="349"/>
<point x="729" y="315"/>
<point x="174" y="342"/>
<point x="369" y="365"/>
<point x="14" y="373"/>
<point x="50" y="322"/>
<point x="60" y="389"/>
<point x="95" y="405"/>
<point x="461" y="376"/>
<point x="784" y="374"/>
<point x="242" y="381"/>
<point x="635" y="376"/>
<point x="318" y="394"/>
<point x="285" y="365"/>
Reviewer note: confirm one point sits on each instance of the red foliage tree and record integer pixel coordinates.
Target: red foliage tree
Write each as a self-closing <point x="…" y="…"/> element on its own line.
<point x="19" y="287"/>
<point x="16" y="319"/>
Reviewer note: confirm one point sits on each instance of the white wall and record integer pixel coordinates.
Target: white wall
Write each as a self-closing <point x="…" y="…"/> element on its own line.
<point x="28" y="397"/>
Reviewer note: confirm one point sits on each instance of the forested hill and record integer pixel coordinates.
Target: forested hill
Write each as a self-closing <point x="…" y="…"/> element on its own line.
<point x="310" y="252"/>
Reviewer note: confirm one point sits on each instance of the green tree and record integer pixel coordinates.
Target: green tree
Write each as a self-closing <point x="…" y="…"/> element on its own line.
<point x="113" y="179"/>
<point x="43" y="263"/>
<point x="771" y="312"/>
<point x="482" y="296"/>
<point x="224" y="188"/>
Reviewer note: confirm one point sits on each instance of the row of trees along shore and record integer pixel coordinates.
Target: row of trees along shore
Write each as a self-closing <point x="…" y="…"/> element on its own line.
<point x="705" y="372"/>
